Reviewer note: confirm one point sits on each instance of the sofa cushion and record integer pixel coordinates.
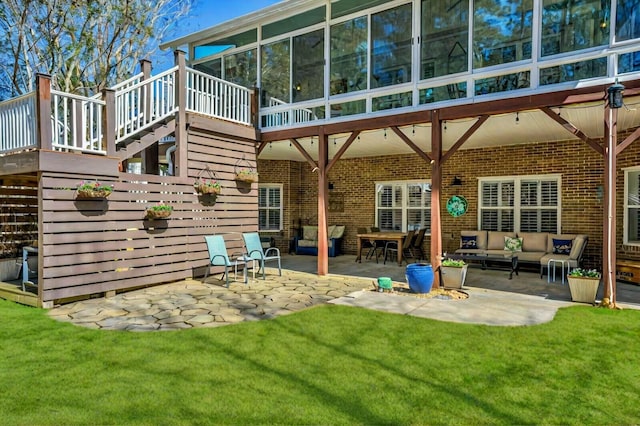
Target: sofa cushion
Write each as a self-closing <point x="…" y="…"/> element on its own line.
<point x="309" y="232"/>
<point x="577" y="247"/>
<point x="495" y="239"/>
<point x="336" y="232"/>
<point x="468" y="242"/>
<point x="481" y="238"/>
<point x="308" y="243"/>
<point x="561" y="246"/>
<point x="330" y="230"/>
<point x="551" y="237"/>
<point x="530" y="256"/>
<point x="513" y="244"/>
<point x="534" y="241"/>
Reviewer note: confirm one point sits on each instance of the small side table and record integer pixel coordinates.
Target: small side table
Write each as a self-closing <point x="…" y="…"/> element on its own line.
<point x="244" y="259"/>
<point x="553" y="263"/>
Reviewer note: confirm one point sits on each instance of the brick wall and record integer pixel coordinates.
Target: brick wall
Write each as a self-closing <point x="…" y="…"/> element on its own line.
<point x="580" y="166"/>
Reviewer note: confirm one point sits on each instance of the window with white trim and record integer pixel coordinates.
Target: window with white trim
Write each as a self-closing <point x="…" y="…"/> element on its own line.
<point x="403" y="205"/>
<point x="520" y="204"/>
<point x="269" y="207"/>
<point x="632" y="206"/>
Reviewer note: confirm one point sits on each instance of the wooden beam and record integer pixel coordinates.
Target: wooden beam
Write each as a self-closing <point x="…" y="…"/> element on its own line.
<point x="573" y="129"/>
<point x="109" y="122"/>
<point x="323" y="198"/>
<point x="43" y="106"/>
<point x="180" y="167"/>
<point x="464" y="137"/>
<point x="628" y="141"/>
<point x="411" y="145"/>
<point x="609" y="216"/>
<point x="436" y="185"/>
<point x="304" y="153"/>
<point x="343" y="149"/>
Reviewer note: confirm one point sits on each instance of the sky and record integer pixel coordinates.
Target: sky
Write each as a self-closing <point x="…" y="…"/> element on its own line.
<point x="205" y="14"/>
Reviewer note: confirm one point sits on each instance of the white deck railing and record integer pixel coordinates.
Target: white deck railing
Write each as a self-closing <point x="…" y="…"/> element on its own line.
<point x="139" y="104"/>
<point x="76" y="123"/>
<point x="215" y="97"/>
<point x="18" y="123"/>
<point x="285" y="114"/>
<point x="145" y="103"/>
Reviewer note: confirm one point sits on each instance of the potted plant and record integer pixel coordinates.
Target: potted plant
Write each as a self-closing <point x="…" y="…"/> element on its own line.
<point x="246" y="175"/>
<point x="159" y="211"/>
<point x="93" y="189"/>
<point x="453" y="273"/>
<point x="583" y="285"/>
<point x="207" y="186"/>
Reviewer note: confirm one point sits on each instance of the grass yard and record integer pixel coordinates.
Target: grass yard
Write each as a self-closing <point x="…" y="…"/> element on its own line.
<point x="325" y="365"/>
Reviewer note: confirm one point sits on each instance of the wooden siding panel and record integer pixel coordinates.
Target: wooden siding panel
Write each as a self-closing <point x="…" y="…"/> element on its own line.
<point x="93" y="246"/>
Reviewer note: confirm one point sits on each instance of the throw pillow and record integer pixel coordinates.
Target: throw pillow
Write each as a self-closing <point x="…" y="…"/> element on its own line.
<point x="468" y="242"/>
<point x="562" y="246"/>
<point x="513" y="244"/>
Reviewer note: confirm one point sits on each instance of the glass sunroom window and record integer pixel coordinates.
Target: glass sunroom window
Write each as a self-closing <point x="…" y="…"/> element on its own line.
<point x="275" y="73"/>
<point x="241" y="68"/>
<point x="349" y="51"/>
<point x="501" y="31"/>
<point x="627" y="20"/>
<point x="445" y="34"/>
<point x="391" y="46"/>
<point x="308" y="66"/>
<point x="568" y="26"/>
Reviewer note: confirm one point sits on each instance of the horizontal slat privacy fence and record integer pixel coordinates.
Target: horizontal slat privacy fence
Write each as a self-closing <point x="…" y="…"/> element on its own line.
<point x="96" y="246"/>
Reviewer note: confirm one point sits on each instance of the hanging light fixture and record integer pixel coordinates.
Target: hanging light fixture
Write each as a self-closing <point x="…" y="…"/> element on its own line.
<point x="615" y="92"/>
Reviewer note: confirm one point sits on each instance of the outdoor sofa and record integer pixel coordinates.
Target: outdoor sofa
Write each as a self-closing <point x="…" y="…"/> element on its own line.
<point x="308" y="244"/>
<point x="530" y="247"/>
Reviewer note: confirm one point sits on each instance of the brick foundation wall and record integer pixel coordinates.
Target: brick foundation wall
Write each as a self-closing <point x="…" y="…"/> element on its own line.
<point x="354" y="180"/>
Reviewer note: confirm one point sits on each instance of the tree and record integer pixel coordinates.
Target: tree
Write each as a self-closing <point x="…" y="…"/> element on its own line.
<point x="85" y="46"/>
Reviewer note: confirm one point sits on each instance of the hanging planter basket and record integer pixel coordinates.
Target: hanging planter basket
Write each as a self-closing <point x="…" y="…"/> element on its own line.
<point x="95" y="193"/>
<point x="245" y="172"/>
<point x="207" y="185"/>
<point x="161" y="211"/>
<point x="93" y="190"/>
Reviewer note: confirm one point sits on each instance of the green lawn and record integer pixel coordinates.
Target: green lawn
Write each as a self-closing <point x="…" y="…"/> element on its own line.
<point x="326" y="365"/>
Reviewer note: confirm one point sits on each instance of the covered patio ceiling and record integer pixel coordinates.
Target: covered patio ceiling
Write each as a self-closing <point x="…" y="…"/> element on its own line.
<point x="510" y="128"/>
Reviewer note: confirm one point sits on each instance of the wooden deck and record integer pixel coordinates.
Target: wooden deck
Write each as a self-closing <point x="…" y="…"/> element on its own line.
<point x="12" y="291"/>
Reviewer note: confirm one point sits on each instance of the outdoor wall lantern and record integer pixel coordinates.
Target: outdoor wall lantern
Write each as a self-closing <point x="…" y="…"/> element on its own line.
<point x="456" y="181"/>
<point x="615" y="92"/>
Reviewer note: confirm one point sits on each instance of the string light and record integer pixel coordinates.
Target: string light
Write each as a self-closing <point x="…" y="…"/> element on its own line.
<point x="517" y="118"/>
<point x="334" y="141"/>
<point x="413" y="130"/>
<point x="445" y="125"/>
<point x="385" y="132"/>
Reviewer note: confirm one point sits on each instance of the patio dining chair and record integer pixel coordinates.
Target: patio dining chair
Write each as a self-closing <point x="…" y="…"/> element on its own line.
<point x="369" y="245"/>
<point x="218" y="256"/>
<point x="256" y="252"/>
<point x="392" y="247"/>
<point x="416" y="244"/>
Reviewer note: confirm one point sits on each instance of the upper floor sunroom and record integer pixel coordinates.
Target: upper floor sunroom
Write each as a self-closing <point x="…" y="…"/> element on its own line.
<point x="320" y="60"/>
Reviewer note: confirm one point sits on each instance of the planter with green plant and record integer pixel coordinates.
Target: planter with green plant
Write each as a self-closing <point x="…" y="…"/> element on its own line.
<point x="583" y="285"/>
<point x="246" y="175"/>
<point x="453" y="273"/>
<point x="159" y="211"/>
<point x="93" y="189"/>
<point x="207" y="186"/>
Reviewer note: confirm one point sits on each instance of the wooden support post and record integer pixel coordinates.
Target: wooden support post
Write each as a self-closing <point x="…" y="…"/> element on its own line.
<point x="436" y="184"/>
<point x="255" y="117"/>
<point x="323" y="196"/>
<point x="43" y="107"/>
<point x="180" y="166"/>
<point x="609" y="228"/>
<point x="149" y="156"/>
<point x="109" y="122"/>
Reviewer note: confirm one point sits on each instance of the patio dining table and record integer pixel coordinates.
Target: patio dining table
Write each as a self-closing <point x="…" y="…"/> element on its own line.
<point x="381" y="236"/>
